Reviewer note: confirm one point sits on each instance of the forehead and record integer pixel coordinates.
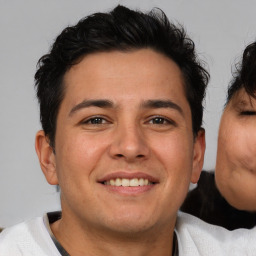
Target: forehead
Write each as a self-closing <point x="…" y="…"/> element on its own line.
<point x="139" y="74"/>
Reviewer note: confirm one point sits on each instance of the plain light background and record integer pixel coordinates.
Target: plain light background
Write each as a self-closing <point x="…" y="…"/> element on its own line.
<point x="220" y="30"/>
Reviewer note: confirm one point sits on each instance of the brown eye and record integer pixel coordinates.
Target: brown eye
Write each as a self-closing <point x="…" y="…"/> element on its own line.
<point x="95" y="121"/>
<point x="159" y="120"/>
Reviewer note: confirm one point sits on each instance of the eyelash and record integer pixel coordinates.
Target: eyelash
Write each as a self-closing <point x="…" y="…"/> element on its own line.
<point x="99" y="120"/>
<point x="248" y="113"/>
<point x="91" y="119"/>
<point x="164" y="119"/>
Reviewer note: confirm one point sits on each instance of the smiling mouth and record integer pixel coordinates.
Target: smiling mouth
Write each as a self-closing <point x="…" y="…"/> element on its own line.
<point x="134" y="182"/>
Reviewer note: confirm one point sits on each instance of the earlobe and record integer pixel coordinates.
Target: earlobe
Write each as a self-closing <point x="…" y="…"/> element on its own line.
<point x="198" y="158"/>
<point x="46" y="157"/>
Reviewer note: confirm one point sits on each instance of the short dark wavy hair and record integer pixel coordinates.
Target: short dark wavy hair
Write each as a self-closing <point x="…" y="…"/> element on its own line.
<point x="245" y="74"/>
<point x="121" y="29"/>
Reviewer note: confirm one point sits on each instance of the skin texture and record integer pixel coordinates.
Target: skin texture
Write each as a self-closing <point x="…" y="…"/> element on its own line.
<point x="236" y="155"/>
<point x="127" y="136"/>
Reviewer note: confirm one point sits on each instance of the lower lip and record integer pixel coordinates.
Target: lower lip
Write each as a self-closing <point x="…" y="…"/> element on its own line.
<point x="129" y="190"/>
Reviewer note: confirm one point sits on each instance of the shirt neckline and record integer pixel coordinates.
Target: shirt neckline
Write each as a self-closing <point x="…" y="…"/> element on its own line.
<point x="51" y="217"/>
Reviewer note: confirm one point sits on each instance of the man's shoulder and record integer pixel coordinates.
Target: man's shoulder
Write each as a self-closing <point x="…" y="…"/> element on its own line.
<point x="27" y="238"/>
<point x="196" y="237"/>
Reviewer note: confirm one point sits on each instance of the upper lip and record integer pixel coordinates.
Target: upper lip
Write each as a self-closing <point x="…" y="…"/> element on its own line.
<point x="128" y="175"/>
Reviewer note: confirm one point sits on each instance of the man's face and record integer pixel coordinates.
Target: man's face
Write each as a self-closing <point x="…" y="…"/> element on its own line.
<point x="125" y="151"/>
<point x="236" y="157"/>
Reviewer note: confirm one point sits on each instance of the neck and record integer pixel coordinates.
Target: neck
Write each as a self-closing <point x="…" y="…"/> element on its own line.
<point x="78" y="239"/>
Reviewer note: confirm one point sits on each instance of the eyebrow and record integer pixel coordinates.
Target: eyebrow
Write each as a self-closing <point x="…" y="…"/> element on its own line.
<point x="162" y="104"/>
<point x="241" y="104"/>
<point x="92" y="103"/>
<point x="103" y="103"/>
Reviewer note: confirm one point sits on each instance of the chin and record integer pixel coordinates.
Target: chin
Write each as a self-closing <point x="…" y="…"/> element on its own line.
<point x="132" y="223"/>
<point x="243" y="204"/>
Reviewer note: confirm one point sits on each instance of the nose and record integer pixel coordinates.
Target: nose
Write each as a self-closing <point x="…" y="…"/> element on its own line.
<point x="129" y="143"/>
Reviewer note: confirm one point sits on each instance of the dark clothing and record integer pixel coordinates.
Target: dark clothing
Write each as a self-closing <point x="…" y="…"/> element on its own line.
<point x="206" y="203"/>
<point x="50" y="218"/>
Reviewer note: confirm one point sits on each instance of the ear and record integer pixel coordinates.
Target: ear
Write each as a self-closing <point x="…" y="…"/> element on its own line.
<point x="198" y="159"/>
<point x="46" y="157"/>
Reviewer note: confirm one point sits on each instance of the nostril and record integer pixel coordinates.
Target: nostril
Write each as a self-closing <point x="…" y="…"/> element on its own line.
<point x="119" y="155"/>
<point x="140" y="156"/>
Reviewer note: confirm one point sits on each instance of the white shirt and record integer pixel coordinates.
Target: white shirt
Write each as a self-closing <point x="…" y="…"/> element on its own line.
<point x="195" y="238"/>
<point x="198" y="238"/>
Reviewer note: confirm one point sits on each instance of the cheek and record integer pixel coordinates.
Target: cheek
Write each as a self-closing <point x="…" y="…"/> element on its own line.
<point x="246" y="149"/>
<point x="78" y="155"/>
<point x="171" y="146"/>
<point x="176" y="154"/>
<point x="240" y="146"/>
<point x="235" y="175"/>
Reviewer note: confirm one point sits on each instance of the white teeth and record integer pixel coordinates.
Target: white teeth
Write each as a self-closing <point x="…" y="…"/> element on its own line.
<point x="134" y="182"/>
<point x="125" y="183"/>
<point x="141" y="182"/>
<point x="117" y="182"/>
<point x="128" y="182"/>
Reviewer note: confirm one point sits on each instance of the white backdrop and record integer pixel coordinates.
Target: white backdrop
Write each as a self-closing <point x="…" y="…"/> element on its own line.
<point x="220" y="30"/>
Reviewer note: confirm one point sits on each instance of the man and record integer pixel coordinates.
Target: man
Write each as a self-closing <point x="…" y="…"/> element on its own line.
<point x="228" y="197"/>
<point x="121" y="108"/>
